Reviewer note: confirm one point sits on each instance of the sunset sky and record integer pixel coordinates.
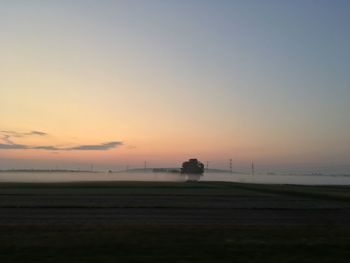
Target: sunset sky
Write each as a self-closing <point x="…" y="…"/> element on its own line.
<point x="119" y="82"/>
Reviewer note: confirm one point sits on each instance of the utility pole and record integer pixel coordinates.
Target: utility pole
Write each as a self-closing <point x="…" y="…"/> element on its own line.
<point x="207" y="165"/>
<point x="230" y="165"/>
<point x="253" y="169"/>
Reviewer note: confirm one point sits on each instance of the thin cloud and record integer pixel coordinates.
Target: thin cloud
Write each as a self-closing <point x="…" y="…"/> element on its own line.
<point x="4" y="146"/>
<point x="7" y="139"/>
<point x="48" y="147"/>
<point x="37" y="133"/>
<point x="90" y="147"/>
<point x="9" y="144"/>
<point x="23" y="134"/>
<point x="96" y="147"/>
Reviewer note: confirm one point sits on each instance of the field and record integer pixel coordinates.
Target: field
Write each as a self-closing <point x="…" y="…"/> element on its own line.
<point x="173" y="222"/>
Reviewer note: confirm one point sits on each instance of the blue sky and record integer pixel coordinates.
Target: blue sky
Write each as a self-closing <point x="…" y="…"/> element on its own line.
<point x="262" y="80"/>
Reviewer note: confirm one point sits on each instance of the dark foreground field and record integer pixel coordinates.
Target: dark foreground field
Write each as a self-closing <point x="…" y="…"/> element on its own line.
<point x="173" y="222"/>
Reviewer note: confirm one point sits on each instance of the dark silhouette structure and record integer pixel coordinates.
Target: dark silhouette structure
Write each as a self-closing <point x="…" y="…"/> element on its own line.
<point x="192" y="166"/>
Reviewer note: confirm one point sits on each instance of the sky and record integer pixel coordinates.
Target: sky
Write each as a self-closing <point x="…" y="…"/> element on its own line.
<point x="115" y="83"/>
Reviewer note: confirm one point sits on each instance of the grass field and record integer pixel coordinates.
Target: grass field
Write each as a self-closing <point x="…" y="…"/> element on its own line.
<point x="173" y="222"/>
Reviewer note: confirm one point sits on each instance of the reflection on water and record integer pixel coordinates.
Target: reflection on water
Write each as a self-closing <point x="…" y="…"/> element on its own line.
<point x="172" y="177"/>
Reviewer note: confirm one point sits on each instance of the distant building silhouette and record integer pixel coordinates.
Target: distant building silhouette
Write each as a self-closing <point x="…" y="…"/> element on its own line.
<point x="192" y="166"/>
